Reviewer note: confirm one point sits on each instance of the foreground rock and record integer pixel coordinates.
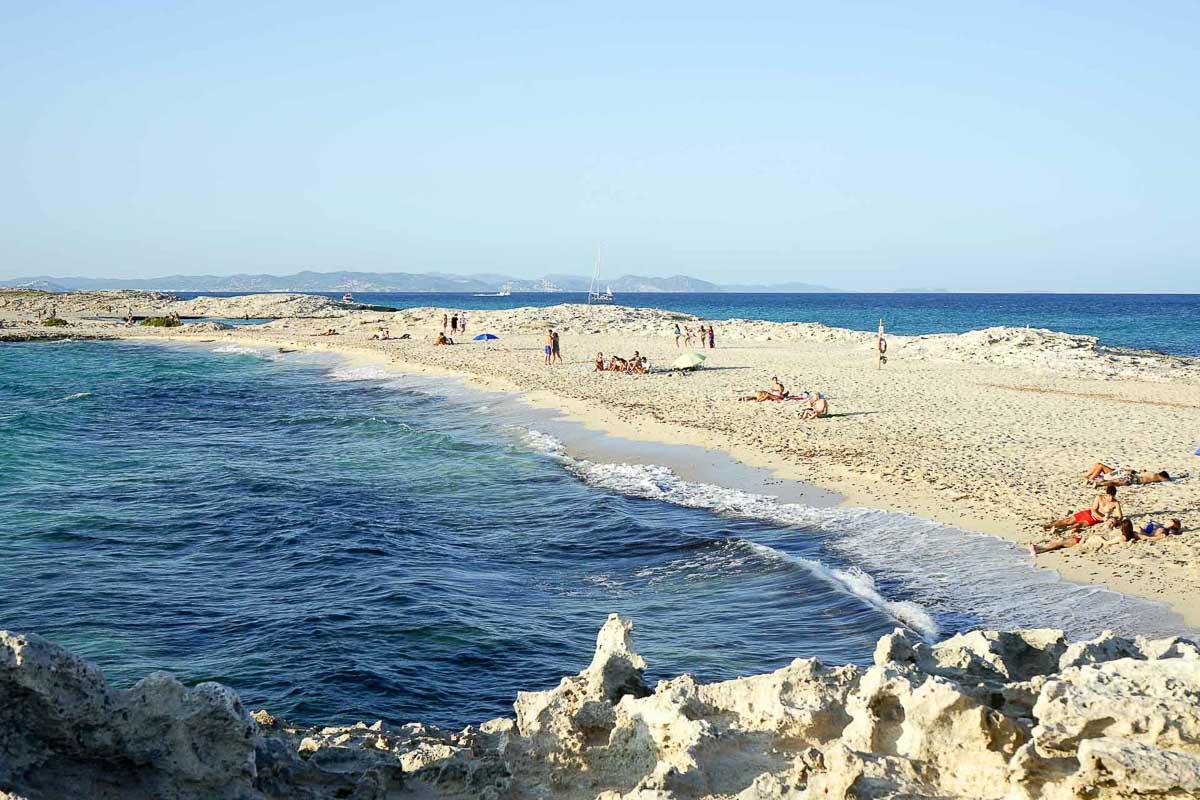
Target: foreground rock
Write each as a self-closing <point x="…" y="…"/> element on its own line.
<point x="981" y="715"/>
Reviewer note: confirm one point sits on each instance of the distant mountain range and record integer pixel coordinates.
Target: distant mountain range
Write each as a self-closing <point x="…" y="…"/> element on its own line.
<point x="394" y="282"/>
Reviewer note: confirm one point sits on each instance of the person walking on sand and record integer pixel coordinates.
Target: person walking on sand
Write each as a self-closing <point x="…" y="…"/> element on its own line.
<point x="554" y="347"/>
<point x="712" y="337"/>
<point x="454" y="324"/>
<point x="703" y="337"/>
<point x="678" y="334"/>
<point x="689" y="338"/>
<point x="462" y="322"/>
<point x="548" y="346"/>
<point x="445" y="322"/>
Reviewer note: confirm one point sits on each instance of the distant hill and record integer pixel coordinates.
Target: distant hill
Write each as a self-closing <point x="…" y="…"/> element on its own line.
<point x="344" y="281"/>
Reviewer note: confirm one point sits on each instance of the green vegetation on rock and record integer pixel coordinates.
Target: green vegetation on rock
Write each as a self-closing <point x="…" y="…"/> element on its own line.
<point x="55" y="322"/>
<point x="161" y="322"/>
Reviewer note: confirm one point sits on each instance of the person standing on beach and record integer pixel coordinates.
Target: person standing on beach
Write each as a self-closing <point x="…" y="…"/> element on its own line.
<point x="554" y="347"/>
<point x="462" y="322"/>
<point x="678" y="333"/>
<point x="454" y="324"/>
<point x="548" y="346"/>
<point x="712" y="338"/>
<point x="703" y="337"/>
<point x="445" y="322"/>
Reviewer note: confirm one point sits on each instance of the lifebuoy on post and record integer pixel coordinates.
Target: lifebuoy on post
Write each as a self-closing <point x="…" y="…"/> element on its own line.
<point x="882" y="345"/>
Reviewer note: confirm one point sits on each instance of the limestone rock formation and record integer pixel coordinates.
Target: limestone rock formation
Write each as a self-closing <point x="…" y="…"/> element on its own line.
<point x="1004" y="715"/>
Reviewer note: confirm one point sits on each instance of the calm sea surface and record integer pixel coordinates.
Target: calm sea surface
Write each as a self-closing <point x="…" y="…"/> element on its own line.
<point x="1166" y="323"/>
<point x="343" y="544"/>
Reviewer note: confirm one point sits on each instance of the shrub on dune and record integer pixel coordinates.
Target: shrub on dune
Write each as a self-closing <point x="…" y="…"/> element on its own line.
<point x="161" y="322"/>
<point x="54" y="322"/>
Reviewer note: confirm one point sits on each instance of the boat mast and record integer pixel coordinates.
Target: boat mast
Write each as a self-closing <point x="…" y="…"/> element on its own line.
<point x="594" y="288"/>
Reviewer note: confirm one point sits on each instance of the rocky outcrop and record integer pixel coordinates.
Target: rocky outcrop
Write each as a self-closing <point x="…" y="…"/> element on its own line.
<point x="981" y="715"/>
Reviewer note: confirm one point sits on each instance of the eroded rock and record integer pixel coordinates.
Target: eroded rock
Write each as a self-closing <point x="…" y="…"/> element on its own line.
<point x="982" y="715"/>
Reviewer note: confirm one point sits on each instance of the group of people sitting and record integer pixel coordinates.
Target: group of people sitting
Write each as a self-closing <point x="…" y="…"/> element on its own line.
<point x="1104" y="522"/>
<point x="636" y="364"/>
<point x="327" y="332"/>
<point x="442" y="338"/>
<point x="818" y="405"/>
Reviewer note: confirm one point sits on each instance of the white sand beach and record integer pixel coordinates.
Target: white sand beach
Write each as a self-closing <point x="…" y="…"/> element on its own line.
<point x="989" y="431"/>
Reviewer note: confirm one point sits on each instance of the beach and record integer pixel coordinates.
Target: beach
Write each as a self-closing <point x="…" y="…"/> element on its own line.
<point x="342" y="549"/>
<point x="989" y="431"/>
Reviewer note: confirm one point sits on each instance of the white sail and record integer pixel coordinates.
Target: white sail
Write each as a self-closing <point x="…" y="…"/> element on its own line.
<point x="594" y="293"/>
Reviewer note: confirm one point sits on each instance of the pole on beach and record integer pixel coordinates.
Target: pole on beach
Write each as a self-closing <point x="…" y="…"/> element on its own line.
<point x="880" y="347"/>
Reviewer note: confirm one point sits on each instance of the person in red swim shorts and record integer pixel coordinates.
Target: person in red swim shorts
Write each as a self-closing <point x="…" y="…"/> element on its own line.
<point x="1106" y="508"/>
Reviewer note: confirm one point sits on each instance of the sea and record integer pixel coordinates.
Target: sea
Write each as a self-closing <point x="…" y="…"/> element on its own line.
<point x="342" y="543"/>
<point x="1165" y="323"/>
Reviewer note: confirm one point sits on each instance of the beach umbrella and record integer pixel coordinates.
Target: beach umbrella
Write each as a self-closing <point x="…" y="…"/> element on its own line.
<point x="688" y="361"/>
<point x="486" y="337"/>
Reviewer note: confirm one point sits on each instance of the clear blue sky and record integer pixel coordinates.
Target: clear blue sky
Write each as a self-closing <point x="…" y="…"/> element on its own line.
<point x="1000" y="146"/>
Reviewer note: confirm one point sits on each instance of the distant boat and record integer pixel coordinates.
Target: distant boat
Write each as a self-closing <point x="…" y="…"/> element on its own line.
<point x="504" y="292"/>
<point x="594" y="293"/>
<point x="347" y="298"/>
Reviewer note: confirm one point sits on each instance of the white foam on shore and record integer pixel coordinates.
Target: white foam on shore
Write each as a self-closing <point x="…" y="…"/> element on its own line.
<point x="963" y="579"/>
<point x="660" y="483"/>
<point x="362" y="374"/>
<point x="238" y="349"/>
<point x="862" y="585"/>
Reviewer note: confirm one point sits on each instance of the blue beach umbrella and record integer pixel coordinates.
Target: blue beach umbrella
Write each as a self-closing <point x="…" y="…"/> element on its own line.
<point x="486" y="337"/>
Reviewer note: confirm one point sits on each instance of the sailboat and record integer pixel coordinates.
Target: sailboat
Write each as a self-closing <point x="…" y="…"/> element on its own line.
<point x="505" y="291"/>
<point x="594" y="293"/>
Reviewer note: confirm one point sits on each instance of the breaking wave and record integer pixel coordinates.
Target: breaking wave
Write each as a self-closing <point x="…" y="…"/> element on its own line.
<point x="929" y="576"/>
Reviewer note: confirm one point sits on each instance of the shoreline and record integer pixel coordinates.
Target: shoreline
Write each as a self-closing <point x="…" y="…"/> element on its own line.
<point x="603" y="421"/>
<point x="593" y="434"/>
<point x="871" y="457"/>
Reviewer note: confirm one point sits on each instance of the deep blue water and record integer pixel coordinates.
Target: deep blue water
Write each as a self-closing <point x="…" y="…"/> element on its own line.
<point x="340" y="549"/>
<point x="1165" y="323"/>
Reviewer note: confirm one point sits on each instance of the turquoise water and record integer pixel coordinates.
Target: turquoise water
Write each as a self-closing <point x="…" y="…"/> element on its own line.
<point x="1167" y="323"/>
<point x="343" y="544"/>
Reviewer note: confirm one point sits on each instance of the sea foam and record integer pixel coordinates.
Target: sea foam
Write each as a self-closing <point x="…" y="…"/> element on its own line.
<point x="961" y="579"/>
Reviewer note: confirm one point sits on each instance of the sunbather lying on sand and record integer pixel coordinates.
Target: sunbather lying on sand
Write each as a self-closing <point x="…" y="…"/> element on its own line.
<point x="1153" y="531"/>
<point x="330" y="332"/>
<point x="1105" y="508"/>
<point x="1090" y="540"/>
<point x="777" y="392"/>
<point x="1104" y="475"/>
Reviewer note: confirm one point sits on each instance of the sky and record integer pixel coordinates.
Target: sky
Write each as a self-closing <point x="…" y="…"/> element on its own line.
<point x="964" y="146"/>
